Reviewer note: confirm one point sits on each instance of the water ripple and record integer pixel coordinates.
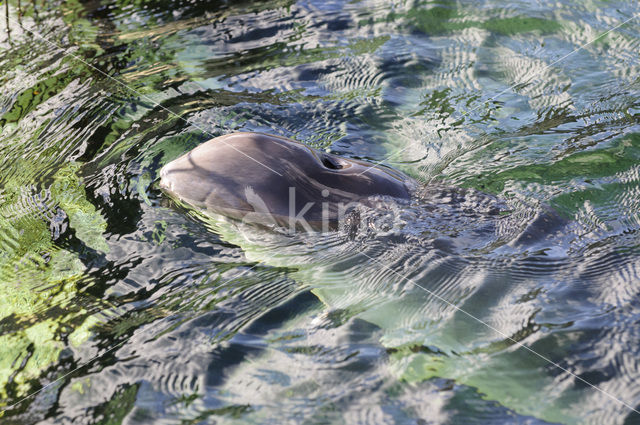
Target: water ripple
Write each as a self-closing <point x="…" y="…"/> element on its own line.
<point x="208" y="320"/>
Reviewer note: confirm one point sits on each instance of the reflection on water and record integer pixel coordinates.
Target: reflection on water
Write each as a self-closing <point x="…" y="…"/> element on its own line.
<point x="179" y="318"/>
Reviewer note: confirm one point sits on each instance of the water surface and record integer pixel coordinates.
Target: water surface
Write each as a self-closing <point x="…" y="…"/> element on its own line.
<point x="173" y="317"/>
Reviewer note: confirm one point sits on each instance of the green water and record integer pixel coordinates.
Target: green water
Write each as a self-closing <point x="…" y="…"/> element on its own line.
<point x="119" y="306"/>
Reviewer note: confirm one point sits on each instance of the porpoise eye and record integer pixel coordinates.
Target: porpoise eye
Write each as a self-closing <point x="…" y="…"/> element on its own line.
<point x="332" y="163"/>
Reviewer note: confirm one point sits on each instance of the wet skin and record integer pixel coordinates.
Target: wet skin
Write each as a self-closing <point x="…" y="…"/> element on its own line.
<point x="241" y="174"/>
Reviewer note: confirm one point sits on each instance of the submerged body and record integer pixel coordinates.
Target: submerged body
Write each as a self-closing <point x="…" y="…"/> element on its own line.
<point x="411" y="284"/>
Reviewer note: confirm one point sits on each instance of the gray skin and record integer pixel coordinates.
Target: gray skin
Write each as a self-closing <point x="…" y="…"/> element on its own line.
<point x="251" y="176"/>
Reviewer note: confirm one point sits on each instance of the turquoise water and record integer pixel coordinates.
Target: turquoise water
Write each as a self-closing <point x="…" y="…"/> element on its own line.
<point x="119" y="306"/>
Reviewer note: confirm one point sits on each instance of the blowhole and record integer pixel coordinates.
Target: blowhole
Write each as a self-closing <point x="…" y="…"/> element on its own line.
<point x="332" y="163"/>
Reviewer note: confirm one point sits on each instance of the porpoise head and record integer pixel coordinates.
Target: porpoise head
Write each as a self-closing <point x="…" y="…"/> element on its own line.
<point x="274" y="180"/>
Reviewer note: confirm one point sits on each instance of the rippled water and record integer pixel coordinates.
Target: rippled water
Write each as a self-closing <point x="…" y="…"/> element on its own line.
<point x="124" y="307"/>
